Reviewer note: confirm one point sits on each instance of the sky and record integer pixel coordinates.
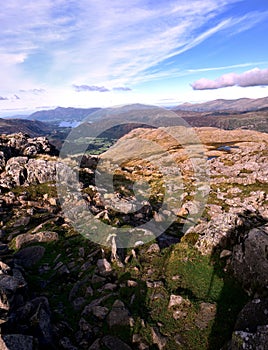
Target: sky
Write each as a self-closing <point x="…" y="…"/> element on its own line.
<point x="104" y="53"/>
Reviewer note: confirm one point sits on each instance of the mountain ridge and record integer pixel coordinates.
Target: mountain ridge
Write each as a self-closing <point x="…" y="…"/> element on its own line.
<point x="238" y="105"/>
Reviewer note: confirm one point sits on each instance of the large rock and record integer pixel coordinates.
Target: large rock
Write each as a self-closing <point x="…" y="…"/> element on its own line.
<point x="114" y="343"/>
<point x="253" y="315"/>
<point x="224" y="230"/>
<point x="251" y="328"/>
<point x="28" y="238"/>
<point x="218" y="232"/>
<point x="258" y="340"/>
<point x="22" y="170"/>
<point x="40" y="171"/>
<point x="119" y="315"/>
<point x="104" y="267"/>
<point x="29" y="256"/>
<point x="17" y="342"/>
<point x="249" y="260"/>
<point x="15" y="168"/>
<point x="43" y="327"/>
<point x="8" y="288"/>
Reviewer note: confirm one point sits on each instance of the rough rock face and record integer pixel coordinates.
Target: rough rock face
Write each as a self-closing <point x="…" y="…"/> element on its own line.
<point x="27" y="238"/>
<point x="249" y="260"/>
<point x="251" y="329"/>
<point x="17" y="342"/>
<point x="16" y="159"/>
<point x="21" y="144"/>
<point x="22" y="170"/>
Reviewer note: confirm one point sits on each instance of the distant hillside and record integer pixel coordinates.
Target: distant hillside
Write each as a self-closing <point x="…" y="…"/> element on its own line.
<point x="136" y="113"/>
<point x="62" y="114"/>
<point x="239" y="105"/>
<point x="30" y="127"/>
<point x="257" y="120"/>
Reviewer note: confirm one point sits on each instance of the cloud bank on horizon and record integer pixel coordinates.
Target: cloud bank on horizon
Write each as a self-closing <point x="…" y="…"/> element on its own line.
<point x="66" y="52"/>
<point x="254" y="77"/>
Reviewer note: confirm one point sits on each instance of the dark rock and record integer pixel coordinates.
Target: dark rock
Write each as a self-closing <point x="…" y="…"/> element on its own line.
<point x="66" y="344"/>
<point x="100" y="312"/>
<point x="250" y="341"/>
<point x="29" y="256"/>
<point x="41" y="324"/>
<point x="251" y="328"/>
<point x="249" y="260"/>
<point x="119" y="315"/>
<point x="254" y="314"/>
<point x="17" y="342"/>
<point x="96" y="345"/>
<point x="8" y="288"/>
<point x="113" y="343"/>
<point x="78" y="303"/>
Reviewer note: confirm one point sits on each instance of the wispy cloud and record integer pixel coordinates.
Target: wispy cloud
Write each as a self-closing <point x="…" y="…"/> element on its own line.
<point x="254" y="77"/>
<point x="122" y="88"/>
<point x="80" y="88"/>
<point x="221" y="68"/>
<point x="33" y="91"/>
<point x="113" y="42"/>
<point x="3" y="98"/>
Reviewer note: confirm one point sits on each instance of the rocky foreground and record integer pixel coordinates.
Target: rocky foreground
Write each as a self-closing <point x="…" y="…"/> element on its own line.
<point x="205" y="288"/>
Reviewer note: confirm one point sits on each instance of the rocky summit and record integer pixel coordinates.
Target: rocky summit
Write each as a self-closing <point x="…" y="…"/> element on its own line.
<point x="201" y="283"/>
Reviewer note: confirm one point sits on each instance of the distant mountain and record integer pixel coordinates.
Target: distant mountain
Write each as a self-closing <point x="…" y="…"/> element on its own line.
<point x="136" y="113"/>
<point x="30" y="127"/>
<point x="60" y="114"/>
<point x="239" y="105"/>
<point x="255" y="120"/>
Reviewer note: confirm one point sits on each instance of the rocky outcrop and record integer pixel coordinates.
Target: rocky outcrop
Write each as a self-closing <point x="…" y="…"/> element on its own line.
<point x="21" y="144"/>
<point x="61" y="291"/>
<point x="20" y="168"/>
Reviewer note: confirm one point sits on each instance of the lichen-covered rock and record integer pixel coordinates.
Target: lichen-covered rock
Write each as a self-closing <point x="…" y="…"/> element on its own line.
<point x="217" y="232"/>
<point x="40" y="171"/>
<point x="251" y="328"/>
<point x="258" y="340"/>
<point x="15" y="168"/>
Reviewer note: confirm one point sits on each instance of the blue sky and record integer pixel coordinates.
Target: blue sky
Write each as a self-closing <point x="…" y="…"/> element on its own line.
<point x="102" y="53"/>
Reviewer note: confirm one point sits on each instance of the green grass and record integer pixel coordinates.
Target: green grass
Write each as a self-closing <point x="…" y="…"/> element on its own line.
<point x="201" y="279"/>
<point x="36" y="191"/>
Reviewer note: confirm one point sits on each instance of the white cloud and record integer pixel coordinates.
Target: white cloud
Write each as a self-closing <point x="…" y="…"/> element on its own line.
<point x="254" y="77"/>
